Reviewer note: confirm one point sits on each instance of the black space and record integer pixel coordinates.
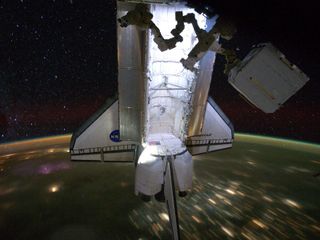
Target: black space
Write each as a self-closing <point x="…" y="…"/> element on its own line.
<point x="58" y="64"/>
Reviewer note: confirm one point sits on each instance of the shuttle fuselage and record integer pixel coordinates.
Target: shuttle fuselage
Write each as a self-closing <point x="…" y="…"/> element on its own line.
<point x="162" y="114"/>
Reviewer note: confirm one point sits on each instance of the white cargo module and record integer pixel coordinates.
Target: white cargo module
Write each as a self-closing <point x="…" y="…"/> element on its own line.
<point x="162" y="114"/>
<point x="266" y="78"/>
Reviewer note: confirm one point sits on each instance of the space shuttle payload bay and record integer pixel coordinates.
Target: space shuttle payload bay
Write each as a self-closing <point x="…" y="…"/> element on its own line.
<point x="162" y="115"/>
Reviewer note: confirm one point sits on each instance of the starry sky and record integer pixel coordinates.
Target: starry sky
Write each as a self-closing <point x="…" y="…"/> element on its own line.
<point x="58" y="65"/>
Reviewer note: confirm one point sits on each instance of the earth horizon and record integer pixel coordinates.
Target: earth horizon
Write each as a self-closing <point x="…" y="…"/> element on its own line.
<point x="262" y="188"/>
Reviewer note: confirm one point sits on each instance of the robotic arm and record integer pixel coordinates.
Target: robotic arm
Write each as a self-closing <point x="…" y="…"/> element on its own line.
<point x="142" y="18"/>
<point x="209" y="41"/>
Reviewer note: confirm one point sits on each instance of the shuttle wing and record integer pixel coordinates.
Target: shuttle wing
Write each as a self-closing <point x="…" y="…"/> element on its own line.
<point x="123" y="118"/>
<point x="217" y="132"/>
<point x="99" y="139"/>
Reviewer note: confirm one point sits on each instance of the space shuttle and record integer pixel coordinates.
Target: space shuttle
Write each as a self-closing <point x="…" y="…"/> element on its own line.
<point x="162" y="114"/>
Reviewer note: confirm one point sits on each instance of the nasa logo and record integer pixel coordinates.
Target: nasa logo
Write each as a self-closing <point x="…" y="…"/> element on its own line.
<point x="115" y="136"/>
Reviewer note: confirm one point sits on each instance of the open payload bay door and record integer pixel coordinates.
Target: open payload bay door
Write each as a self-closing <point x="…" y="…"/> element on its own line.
<point x="99" y="139"/>
<point x="217" y="132"/>
<point x="131" y="47"/>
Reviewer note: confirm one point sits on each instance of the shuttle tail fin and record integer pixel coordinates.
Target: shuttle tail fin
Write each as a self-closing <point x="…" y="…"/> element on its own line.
<point x="170" y="198"/>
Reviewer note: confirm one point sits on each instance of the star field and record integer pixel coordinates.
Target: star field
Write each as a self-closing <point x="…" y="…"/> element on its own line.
<point x="56" y="59"/>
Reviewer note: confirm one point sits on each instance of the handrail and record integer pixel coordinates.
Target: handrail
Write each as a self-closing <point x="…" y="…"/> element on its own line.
<point x="105" y="149"/>
<point x="212" y="141"/>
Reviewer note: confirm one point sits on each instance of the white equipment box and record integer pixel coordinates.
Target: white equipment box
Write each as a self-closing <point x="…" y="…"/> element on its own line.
<point x="266" y="78"/>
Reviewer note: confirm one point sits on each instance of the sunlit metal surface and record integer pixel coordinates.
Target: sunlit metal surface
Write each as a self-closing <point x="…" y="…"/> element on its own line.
<point x="201" y="91"/>
<point x="131" y="77"/>
<point x="171" y="87"/>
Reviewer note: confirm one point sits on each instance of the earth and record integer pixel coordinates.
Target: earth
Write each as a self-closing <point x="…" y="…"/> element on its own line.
<point x="262" y="188"/>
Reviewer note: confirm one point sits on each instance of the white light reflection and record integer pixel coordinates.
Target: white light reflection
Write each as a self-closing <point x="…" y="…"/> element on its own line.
<point x="251" y="163"/>
<point x="54" y="188"/>
<point x="291" y="203"/>
<point x="241" y="194"/>
<point x="164" y="217"/>
<point x="198" y="208"/>
<point x="259" y="223"/>
<point x="267" y="198"/>
<point x="247" y="236"/>
<point x="66" y="150"/>
<point x="227" y="231"/>
<point x="230" y="191"/>
<point x="197" y="220"/>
